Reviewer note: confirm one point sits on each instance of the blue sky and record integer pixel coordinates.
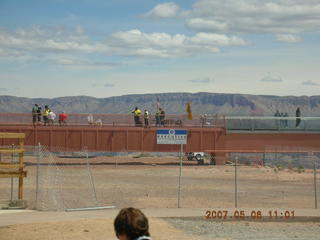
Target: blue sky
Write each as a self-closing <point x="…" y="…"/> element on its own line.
<point x="98" y="48"/>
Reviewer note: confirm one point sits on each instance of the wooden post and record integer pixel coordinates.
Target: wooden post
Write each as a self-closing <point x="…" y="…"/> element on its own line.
<point x="20" y="173"/>
<point x="20" y="193"/>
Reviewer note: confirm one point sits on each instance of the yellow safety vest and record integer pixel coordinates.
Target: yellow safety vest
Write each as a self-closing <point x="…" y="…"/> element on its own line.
<point x="46" y="112"/>
<point x="137" y="112"/>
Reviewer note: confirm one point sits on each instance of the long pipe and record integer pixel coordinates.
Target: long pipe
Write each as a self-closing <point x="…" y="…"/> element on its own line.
<point x="88" y="208"/>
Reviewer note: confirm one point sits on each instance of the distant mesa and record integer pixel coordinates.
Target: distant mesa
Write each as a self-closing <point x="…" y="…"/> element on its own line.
<point x="173" y="103"/>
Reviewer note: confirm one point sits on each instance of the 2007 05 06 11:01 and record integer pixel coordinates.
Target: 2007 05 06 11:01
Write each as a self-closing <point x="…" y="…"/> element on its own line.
<point x="254" y="214"/>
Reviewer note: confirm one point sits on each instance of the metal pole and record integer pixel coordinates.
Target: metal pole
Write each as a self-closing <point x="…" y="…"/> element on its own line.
<point x="235" y="183"/>
<point x="315" y="182"/>
<point x="180" y="173"/>
<point x="91" y="178"/>
<point x="12" y="160"/>
<point x="89" y="208"/>
<point x="37" y="174"/>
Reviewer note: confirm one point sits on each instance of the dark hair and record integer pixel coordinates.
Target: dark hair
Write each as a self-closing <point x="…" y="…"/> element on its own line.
<point x="132" y="223"/>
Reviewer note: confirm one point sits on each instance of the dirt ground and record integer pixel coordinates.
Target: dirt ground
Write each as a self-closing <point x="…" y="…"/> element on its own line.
<point x="85" y="229"/>
<point x="164" y="229"/>
<point x="151" y="182"/>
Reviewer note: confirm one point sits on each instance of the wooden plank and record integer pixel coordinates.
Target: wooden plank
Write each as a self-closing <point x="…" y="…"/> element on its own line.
<point x="10" y="150"/>
<point x="9" y="165"/>
<point x="13" y="174"/>
<point x="20" y="188"/>
<point x="12" y="135"/>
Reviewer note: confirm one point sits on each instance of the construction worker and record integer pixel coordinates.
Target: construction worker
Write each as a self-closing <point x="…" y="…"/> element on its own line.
<point x="35" y="114"/>
<point x="146" y="118"/>
<point x="162" y="116"/>
<point x="158" y="122"/>
<point x="39" y="114"/>
<point x="136" y="113"/>
<point x="45" y="115"/>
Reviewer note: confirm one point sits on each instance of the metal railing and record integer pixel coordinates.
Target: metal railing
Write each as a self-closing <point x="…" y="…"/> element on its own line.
<point x="248" y="123"/>
<point x="171" y="120"/>
<point x="231" y="123"/>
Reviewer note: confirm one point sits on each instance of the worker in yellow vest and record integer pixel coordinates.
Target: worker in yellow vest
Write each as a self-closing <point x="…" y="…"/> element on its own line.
<point x="136" y="114"/>
<point x="45" y="115"/>
<point x="158" y="112"/>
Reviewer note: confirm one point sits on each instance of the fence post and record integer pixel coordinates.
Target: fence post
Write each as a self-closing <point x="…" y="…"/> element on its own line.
<point x="12" y="160"/>
<point x="90" y="176"/>
<point x="180" y="173"/>
<point x="315" y="181"/>
<point x="236" y="183"/>
<point x="37" y="174"/>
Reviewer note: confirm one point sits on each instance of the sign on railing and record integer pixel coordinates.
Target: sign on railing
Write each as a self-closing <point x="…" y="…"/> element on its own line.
<point x="172" y="136"/>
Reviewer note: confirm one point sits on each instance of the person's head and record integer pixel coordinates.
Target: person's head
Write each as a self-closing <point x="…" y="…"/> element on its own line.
<point x="46" y="106"/>
<point x="136" y="108"/>
<point x="36" y="105"/>
<point x="130" y="224"/>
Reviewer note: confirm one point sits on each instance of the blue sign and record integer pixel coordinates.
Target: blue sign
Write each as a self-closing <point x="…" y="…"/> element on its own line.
<point x="172" y="136"/>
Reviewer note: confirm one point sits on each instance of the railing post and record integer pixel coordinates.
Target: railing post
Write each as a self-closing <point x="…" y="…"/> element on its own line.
<point x="12" y="160"/>
<point x="315" y="180"/>
<point x="235" y="183"/>
<point x="180" y="173"/>
<point x="37" y="175"/>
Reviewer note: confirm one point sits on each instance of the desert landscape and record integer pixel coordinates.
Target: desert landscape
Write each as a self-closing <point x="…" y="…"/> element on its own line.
<point x="152" y="182"/>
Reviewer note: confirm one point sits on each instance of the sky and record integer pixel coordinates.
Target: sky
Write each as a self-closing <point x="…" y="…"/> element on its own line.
<point x="101" y="48"/>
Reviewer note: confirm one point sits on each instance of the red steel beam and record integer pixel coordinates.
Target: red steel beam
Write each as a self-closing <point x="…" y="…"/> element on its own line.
<point x="111" y="139"/>
<point x="138" y="139"/>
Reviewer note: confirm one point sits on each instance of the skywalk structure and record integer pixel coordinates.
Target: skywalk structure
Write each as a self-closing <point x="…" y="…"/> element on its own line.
<point x="216" y="135"/>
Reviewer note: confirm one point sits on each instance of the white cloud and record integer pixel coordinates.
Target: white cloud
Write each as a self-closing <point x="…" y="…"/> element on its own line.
<point x="201" y="80"/>
<point x="108" y="85"/>
<point x="52" y="42"/>
<point x="201" y="24"/>
<point x="99" y="85"/>
<point x="310" y="83"/>
<point x="217" y="39"/>
<point x="289" y="38"/>
<point x="170" y="46"/>
<point x="163" y="10"/>
<point x="4" y="89"/>
<point x="48" y="39"/>
<point x="284" y="17"/>
<point x="272" y="79"/>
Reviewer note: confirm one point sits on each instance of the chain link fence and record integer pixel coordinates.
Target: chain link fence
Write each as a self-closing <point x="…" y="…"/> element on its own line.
<point x="63" y="179"/>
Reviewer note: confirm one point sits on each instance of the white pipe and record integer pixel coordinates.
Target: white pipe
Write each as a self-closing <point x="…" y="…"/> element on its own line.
<point x="88" y="208"/>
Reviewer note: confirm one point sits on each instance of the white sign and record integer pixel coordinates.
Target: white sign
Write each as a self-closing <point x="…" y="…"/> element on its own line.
<point x="171" y="136"/>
